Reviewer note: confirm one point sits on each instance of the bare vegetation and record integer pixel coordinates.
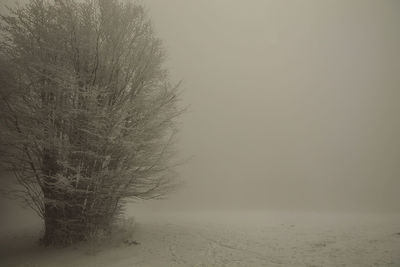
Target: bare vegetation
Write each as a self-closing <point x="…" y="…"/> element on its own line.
<point x="87" y="112"/>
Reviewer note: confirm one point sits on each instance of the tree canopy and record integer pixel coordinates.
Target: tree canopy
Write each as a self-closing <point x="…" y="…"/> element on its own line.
<point x="87" y="111"/>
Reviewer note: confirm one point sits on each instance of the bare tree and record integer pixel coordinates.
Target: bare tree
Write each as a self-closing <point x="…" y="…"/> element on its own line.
<point x="87" y="112"/>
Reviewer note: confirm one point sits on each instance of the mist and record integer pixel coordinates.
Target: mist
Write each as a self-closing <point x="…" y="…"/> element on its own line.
<point x="290" y="143"/>
<point x="293" y="104"/>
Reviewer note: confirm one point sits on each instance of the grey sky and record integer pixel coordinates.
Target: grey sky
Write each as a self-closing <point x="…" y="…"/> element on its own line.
<point x="294" y="104"/>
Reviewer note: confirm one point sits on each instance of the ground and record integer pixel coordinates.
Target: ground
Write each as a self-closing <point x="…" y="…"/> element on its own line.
<point x="220" y="238"/>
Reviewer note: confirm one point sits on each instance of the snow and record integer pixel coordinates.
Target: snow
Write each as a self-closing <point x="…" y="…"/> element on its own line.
<point x="223" y="238"/>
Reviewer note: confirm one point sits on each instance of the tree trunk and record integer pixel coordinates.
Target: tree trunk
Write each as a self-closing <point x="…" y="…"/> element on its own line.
<point x="73" y="214"/>
<point x="68" y="222"/>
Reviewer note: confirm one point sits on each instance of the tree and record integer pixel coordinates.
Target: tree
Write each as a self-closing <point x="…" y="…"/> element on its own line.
<point x="87" y="112"/>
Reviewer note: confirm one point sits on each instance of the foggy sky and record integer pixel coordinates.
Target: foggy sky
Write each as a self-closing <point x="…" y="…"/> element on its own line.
<point x="293" y="104"/>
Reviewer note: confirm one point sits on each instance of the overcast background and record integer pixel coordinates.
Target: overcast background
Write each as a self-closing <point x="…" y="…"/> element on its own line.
<point x="293" y="104"/>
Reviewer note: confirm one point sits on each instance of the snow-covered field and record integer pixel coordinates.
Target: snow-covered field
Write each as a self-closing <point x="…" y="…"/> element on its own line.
<point x="223" y="239"/>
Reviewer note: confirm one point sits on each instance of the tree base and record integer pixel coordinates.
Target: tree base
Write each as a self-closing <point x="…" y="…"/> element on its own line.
<point x="59" y="233"/>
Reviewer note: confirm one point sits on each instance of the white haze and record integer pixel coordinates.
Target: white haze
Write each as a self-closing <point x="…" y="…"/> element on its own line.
<point x="293" y="132"/>
<point x="293" y="104"/>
